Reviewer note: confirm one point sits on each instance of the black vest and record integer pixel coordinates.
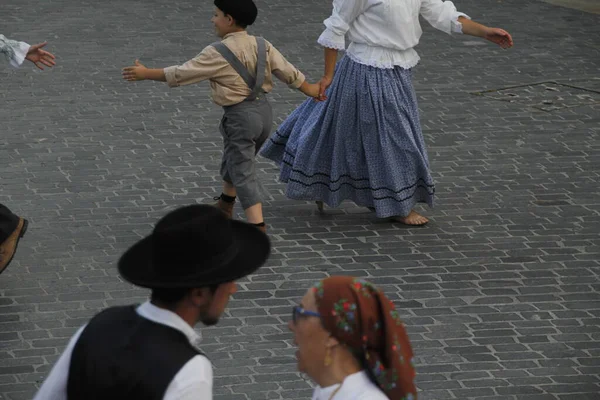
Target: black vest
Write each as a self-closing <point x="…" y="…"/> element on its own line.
<point x="121" y="355"/>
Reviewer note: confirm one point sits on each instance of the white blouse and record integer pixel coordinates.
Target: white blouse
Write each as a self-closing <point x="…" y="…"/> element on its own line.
<point x="383" y="33"/>
<point x="357" y="386"/>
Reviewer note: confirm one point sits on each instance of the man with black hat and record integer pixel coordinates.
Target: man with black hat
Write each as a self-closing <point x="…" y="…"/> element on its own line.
<point x="190" y="262"/>
<point x="240" y="69"/>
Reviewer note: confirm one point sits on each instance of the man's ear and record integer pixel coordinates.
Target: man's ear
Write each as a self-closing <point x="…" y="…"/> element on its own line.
<point x="200" y="296"/>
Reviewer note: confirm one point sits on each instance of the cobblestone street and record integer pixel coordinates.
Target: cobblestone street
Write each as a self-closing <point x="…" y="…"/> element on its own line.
<point x="500" y="293"/>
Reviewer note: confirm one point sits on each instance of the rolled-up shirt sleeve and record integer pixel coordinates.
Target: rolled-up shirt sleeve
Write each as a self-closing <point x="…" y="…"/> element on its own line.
<point x="13" y="51"/>
<point x="336" y="26"/>
<point x="206" y="65"/>
<point x="283" y="69"/>
<point x="442" y="15"/>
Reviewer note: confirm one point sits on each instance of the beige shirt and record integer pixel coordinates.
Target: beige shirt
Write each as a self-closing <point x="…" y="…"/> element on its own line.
<point x="227" y="85"/>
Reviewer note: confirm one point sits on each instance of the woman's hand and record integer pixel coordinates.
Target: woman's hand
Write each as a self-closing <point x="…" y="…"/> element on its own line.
<point x="324" y="83"/>
<point x="499" y="36"/>
<point x="494" y="35"/>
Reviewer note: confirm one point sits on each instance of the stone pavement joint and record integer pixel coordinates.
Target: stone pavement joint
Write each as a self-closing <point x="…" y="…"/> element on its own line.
<point x="499" y="293"/>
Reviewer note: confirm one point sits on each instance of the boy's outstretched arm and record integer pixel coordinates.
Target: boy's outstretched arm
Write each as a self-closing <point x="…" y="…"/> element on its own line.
<point x="494" y="35"/>
<point x="206" y="65"/>
<point x="139" y="72"/>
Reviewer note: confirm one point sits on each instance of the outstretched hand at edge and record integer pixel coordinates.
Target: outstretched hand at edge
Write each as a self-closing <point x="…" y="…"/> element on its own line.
<point x="40" y="57"/>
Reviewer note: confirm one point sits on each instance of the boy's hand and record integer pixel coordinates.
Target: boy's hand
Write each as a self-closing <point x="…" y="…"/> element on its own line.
<point x="311" y="90"/>
<point x="135" y="73"/>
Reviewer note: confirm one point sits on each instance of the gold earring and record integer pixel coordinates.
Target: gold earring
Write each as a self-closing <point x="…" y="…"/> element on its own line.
<point x="328" y="359"/>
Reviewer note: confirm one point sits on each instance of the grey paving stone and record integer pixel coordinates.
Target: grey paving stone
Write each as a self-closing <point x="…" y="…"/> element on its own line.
<point x="499" y="292"/>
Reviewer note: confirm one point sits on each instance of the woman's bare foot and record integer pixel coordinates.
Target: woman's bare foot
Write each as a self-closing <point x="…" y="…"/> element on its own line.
<point x="414" y="218"/>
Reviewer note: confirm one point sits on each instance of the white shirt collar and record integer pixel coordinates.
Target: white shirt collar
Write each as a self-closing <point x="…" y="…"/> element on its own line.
<point x="354" y="385"/>
<point x="168" y="318"/>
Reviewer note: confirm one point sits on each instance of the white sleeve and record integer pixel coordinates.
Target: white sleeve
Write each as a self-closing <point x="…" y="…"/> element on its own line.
<point x="315" y="395"/>
<point x="344" y="13"/>
<point x="442" y="15"/>
<point x="193" y="382"/>
<point x="14" y="52"/>
<point x="55" y="385"/>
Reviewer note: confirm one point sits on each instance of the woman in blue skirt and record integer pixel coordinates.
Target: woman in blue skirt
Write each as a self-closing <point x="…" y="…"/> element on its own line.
<point x="363" y="141"/>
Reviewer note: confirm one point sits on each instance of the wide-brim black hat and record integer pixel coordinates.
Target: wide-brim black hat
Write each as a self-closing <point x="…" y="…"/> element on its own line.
<point x="195" y="246"/>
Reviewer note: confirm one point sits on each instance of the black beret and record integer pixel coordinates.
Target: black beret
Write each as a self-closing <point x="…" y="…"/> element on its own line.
<point x="244" y="12"/>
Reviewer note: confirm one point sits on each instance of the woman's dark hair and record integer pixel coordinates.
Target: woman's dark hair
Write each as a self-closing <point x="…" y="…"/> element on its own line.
<point x="370" y="374"/>
<point x="172" y="296"/>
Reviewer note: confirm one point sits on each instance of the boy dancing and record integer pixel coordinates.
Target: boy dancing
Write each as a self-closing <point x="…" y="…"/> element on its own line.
<point x="240" y="69"/>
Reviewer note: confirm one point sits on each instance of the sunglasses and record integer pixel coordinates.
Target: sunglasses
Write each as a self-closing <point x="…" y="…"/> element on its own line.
<point x="298" y="312"/>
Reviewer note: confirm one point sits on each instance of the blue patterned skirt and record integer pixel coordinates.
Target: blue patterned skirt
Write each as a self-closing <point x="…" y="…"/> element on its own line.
<point x="364" y="143"/>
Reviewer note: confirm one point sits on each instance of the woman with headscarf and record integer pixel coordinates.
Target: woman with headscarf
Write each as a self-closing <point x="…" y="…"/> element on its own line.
<point x="352" y="343"/>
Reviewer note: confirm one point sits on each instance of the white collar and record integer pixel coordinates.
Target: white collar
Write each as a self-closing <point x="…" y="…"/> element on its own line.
<point x="351" y="384"/>
<point x="168" y="318"/>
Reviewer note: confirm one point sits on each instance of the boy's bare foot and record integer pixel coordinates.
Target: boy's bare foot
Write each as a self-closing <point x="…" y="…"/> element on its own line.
<point x="414" y="218"/>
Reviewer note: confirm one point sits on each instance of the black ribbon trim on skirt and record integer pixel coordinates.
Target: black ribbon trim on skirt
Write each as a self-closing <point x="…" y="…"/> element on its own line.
<point x="424" y="182"/>
<point x="367" y="188"/>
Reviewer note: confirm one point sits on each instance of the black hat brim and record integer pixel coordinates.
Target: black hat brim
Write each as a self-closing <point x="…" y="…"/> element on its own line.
<point x="136" y="265"/>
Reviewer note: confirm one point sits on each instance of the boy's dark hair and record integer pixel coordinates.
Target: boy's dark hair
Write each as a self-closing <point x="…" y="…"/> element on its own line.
<point x="172" y="296"/>
<point x="244" y="12"/>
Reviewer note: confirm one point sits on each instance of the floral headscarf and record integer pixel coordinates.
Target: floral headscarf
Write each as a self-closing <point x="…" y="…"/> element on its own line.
<point x="361" y="317"/>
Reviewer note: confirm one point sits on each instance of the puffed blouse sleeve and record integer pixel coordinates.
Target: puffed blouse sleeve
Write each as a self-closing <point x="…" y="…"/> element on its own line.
<point x="336" y="26"/>
<point x="442" y="15"/>
<point x="14" y="51"/>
